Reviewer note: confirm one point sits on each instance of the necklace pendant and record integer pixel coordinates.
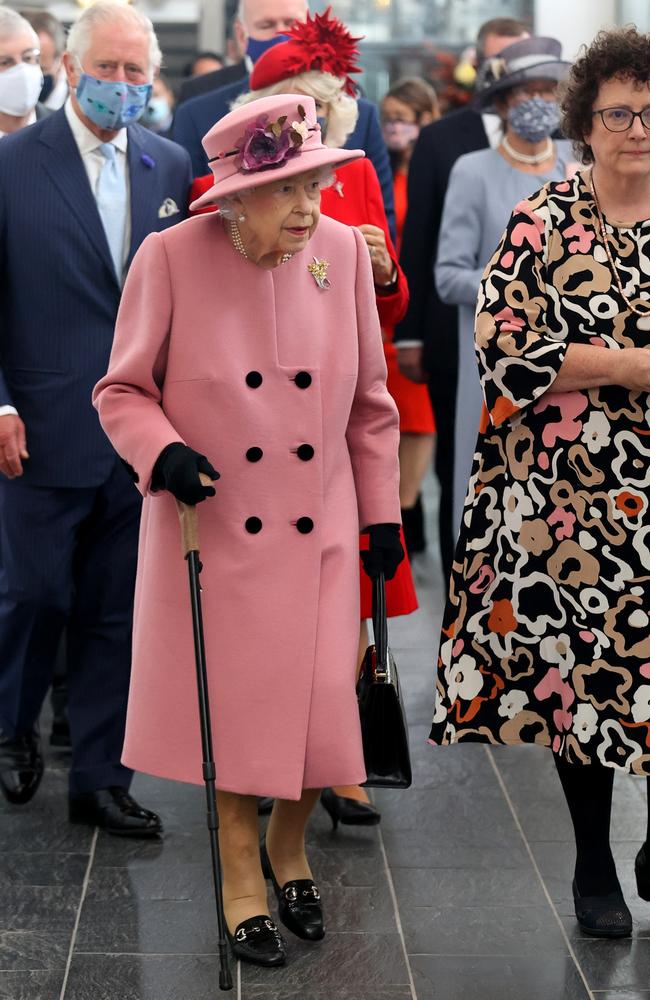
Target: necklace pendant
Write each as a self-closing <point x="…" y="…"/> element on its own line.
<point x="318" y="270"/>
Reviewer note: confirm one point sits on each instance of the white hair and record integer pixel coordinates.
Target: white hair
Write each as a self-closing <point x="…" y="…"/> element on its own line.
<point x="104" y="12"/>
<point x="12" y="24"/>
<point x="228" y="207"/>
<point x="323" y="87"/>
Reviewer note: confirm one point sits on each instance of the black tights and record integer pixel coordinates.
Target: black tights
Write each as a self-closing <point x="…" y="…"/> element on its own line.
<point x="588" y="792"/>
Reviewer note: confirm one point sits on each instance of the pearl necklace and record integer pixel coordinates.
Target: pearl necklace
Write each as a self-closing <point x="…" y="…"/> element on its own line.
<point x="238" y="244"/>
<point x="532" y="159"/>
<point x="643" y="313"/>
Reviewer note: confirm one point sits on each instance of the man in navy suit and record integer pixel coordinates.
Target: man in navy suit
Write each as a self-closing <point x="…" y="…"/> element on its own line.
<point x="79" y="191"/>
<point x="257" y="25"/>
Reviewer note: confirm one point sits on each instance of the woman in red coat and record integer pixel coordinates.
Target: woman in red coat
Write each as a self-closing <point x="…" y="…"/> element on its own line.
<point x="304" y="65"/>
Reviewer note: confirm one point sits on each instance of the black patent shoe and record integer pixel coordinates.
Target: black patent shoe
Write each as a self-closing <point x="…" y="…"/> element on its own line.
<point x="642" y="872"/>
<point x="298" y="903"/>
<point x="603" y="916"/>
<point x="115" y="811"/>
<point x="257" y="940"/>
<point x="21" y="766"/>
<point x="350" y="812"/>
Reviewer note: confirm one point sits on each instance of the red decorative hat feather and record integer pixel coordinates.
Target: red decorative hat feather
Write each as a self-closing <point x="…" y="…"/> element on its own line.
<point x="320" y="43"/>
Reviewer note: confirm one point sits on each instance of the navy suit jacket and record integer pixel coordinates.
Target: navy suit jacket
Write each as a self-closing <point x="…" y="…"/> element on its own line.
<point x="59" y="294"/>
<point x="198" y="115"/>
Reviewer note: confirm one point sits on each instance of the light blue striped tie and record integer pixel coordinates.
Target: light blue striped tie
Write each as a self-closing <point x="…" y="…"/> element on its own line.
<point x="112" y="205"/>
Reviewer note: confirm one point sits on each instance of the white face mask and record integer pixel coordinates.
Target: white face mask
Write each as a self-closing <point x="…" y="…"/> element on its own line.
<point x="19" y="89"/>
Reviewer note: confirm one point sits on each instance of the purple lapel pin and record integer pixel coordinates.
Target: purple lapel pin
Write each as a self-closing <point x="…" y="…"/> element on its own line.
<point x="148" y="161"/>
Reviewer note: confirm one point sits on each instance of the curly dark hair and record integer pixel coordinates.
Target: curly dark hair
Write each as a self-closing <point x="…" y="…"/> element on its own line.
<point x="622" y="53"/>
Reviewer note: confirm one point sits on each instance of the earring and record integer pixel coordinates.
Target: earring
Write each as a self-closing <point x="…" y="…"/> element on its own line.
<point x="242" y="218"/>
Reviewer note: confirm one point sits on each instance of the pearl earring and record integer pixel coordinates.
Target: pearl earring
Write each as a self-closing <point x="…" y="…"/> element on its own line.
<point x="242" y="218"/>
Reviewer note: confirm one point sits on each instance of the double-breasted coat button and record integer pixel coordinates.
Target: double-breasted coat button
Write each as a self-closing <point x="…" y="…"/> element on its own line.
<point x="303" y="380"/>
<point x="254" y="380"/>
<point x="254" y="454"/>
<point x="304" y="525"/>
<point x="305" y="452"/>
<point x="253" y="525"/>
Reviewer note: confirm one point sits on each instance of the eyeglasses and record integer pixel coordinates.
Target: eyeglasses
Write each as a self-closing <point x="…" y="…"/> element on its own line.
<point x="31" y="57"/>
<point x="622" y="119"/>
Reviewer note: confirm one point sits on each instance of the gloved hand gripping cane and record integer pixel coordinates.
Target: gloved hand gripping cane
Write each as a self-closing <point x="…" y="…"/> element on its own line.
<point x="189" y="519"/>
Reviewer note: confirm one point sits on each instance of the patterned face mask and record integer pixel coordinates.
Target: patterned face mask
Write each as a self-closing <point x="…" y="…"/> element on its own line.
<point x="399" y="135"/>
<point x="112" y="104"/>
<point x="534" y="119"/>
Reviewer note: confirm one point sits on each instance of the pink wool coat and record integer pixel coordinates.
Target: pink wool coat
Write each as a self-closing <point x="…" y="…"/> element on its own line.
<point x="227" y="357"/>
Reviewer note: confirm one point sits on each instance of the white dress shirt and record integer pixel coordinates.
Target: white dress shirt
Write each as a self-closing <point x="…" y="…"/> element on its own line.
<point x="88" y="145"/>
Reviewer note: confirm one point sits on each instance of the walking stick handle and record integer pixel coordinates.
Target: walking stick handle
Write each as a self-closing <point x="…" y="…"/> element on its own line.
<point x="189" y="518"/>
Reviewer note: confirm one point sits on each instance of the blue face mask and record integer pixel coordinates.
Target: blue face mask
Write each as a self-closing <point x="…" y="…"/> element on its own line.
<point x="534" y="119"/>
<point x="112" y="104"/>
<point x="256" y="48"/>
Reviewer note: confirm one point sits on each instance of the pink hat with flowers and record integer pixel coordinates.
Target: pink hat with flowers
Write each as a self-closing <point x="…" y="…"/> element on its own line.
<point x="266" y="141"/>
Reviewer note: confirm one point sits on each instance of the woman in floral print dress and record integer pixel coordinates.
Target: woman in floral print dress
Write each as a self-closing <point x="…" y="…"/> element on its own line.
<point x="546" y="634"/>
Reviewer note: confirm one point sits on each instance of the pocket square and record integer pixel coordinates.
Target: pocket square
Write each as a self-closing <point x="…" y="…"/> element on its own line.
<point x="168" y="207"/>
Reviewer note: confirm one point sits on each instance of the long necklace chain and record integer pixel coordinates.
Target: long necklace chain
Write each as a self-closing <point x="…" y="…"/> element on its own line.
<point x="604" y="237"/>
<point x="238" y="243"/>
<point x="531" y="159"/>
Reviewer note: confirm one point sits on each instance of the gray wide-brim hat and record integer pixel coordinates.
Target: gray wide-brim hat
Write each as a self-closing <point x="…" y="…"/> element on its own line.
<point x="528" y="59"/>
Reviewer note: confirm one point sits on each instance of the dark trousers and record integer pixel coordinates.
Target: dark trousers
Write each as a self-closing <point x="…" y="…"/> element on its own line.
<point x="69" y="560"/>
<point x="442" y="390"/>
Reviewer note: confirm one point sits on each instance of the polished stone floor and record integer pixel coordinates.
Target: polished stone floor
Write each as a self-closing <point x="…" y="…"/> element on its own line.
<point x="463" y="893"/>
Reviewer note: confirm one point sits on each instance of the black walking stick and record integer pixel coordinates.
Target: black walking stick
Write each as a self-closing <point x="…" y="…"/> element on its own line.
<point x="189" y="519"/>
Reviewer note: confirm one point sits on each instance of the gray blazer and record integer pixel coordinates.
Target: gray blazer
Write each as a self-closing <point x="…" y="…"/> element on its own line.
<point x="483" y="190"/>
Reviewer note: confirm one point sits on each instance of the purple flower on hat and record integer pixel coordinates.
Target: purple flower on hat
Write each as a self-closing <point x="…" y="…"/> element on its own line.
<point x="148" y="161"/>
<point x="266" y="145"/>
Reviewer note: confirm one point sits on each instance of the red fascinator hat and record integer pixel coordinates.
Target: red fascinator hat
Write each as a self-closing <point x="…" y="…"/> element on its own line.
<point x="321" y="43"/>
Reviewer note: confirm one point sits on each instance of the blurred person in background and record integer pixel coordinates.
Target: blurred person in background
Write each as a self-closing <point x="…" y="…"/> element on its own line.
<point x="408" y="106"/>
<point x="520" y="85"/>
<point x="317" y="61"/>
<point x="51" y="36"/>
<point x="427" y="338"/>
<point x="233" y="68"/>
<point x="204" y="62"/>
<point x="159" y="112"/>
<point x="21" y="78"/>
<point x="260" y="25"/>
<point x="79" y="191"/>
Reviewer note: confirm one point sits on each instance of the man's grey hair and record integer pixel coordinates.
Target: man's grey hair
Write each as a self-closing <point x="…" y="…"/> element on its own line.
<point x="12" y="23"/>
<point x="104" y="12"/>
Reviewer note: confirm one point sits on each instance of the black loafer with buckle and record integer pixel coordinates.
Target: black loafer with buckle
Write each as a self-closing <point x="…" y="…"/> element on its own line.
<point x="257" y="940"/>
<point x="298" y="903"/>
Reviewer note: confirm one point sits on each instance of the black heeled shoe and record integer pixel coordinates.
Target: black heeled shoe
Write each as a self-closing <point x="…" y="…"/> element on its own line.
<point x="350" y="812"/>
<point x="603" y="916"/>
<point x="258" y="941"/>
<point x="298" y="903"/>
<point x="642" y="872"/>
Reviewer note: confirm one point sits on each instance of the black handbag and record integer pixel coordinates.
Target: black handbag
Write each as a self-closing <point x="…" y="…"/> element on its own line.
<point x="384" y="729"/>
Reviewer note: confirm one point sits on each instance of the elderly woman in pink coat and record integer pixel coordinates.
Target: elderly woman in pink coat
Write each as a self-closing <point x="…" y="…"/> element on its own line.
<point x="250" y="339"/>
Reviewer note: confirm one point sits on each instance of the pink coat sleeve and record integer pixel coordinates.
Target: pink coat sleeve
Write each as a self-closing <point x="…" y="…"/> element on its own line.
<point x="128" y="397"/>
<point x="373" y="427"/>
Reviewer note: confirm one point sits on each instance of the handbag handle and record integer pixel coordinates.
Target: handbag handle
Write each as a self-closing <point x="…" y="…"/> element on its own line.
<point x="380" y="623"/>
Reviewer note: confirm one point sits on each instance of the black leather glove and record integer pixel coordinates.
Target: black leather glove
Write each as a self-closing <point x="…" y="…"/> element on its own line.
<point x="177" y="470"/>
<point x="385" y="552"/>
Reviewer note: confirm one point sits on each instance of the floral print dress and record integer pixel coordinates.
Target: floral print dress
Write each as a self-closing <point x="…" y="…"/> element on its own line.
<point x="546" y="634"/>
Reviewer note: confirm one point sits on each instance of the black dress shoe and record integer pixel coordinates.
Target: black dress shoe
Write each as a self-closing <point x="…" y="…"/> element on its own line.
<point x="298" y="903"/>
<point x="265" y="806"/>
<point x="21" y="766"/>
<point x="603" y="916"/>
<point x="642" y="872"/>
<point x="115" y="811"/>
<point x="351" y="812"/>
<point x="257" y="940"/>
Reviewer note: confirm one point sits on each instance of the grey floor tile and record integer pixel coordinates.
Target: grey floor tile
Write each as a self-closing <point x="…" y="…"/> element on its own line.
<point x="481" y="930"/>
<point x="361" y="962"/>
<point x="144" y="977"/>
<point x="463" y="887"/>
<point x="46" y="869"/>
<point x="418" y="849"/>
<point x="45" y="908"/>
<point x="31" y="951"/>
<point x="614" y="965"/>
<point x="336" y="993"/>
<point x="621" y="994"/>
<point x="552" y="977"/>
<point x="30" y="985"/>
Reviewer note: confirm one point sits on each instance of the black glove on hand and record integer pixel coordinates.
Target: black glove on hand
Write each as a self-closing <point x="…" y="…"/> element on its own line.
<point x="385" y="552"/>
<point x="177" y="470"/>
